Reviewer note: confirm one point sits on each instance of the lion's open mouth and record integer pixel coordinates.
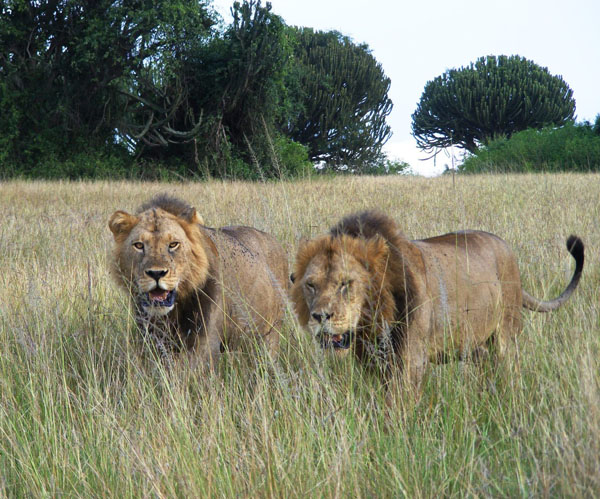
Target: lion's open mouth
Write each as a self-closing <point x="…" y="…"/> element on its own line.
<point x="336" y="341"/>
<point x="159" y="298"/>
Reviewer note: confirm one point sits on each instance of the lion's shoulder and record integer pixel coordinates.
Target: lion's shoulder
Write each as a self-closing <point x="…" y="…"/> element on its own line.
<point x="240" y="236"/>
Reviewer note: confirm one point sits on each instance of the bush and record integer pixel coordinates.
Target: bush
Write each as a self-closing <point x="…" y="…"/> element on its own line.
<point x="596" y="126"/>
<point x="573" y="147"/>
<point x="293" y="157"/>
<point x="93" y="164"/>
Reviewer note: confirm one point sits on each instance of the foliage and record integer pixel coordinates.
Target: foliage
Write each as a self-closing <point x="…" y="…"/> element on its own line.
<point x="292" y="158"/>
<point x="596" y="126"/>
<point x="154" y="87"/>
<point x="572" y="147"/>
<point x="97" y="164"/>
<point x="492" y="98"/>
<point x="337" y="99"/>
<point x="234" y="83"/>
<point x="69" y="68"/>
<point x="78" y="165"/>
<point x="257" y="54"/>
<point x="390" y="167"/>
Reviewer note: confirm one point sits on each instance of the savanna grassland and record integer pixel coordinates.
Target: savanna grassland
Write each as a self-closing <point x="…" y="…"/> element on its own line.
<point x="82" y="413"/>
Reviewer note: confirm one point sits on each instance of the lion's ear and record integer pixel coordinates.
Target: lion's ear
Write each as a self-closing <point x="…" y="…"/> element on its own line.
<point x="121" y="223"/>
<point x="191" y="216"/>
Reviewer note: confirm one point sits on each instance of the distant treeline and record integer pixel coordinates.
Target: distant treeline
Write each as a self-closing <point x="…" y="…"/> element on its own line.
<point x="103" y="88"/>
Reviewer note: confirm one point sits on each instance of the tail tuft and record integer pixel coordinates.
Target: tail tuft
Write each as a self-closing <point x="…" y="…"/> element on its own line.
<point x="576" y="248"/>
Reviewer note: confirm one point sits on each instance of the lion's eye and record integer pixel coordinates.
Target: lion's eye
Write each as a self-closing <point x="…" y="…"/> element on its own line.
<point x="174" y="245"/>
<point x="310" y="286"/>
<point x="346" y="285"/>
<point x="139" y="246"/>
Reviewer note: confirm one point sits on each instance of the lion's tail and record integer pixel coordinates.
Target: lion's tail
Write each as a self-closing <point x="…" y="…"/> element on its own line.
<point x="575" y="247"/>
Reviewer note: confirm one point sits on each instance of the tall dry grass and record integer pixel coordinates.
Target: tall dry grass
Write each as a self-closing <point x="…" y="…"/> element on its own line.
<point x="83" y="414"/>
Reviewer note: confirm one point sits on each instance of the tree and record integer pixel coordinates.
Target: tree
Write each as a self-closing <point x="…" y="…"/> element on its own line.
<point x="494" y="97"/>
<point x="596" y="127"/>
<point x="235" y="82"/>
<point x="337" y="99"/>
<point x="70" y="69"/>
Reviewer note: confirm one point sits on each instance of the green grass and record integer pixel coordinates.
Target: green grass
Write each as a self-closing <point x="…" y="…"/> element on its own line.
<point x="82" y="413"/>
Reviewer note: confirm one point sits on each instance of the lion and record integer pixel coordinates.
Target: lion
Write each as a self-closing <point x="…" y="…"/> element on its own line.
<point x="196" y="288"/>
<point x="401" y="304"/>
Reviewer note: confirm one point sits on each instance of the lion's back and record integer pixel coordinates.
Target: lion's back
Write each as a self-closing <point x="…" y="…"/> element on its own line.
<point x="473" y="279"/>
<point x="260" y="248"/>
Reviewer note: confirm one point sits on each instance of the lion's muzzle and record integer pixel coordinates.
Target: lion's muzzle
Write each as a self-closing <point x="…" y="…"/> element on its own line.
<point x="321" y="316"/>
<point x="335" y="341"/>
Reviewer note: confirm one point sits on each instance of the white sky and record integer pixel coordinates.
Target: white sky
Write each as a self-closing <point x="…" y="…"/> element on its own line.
<point x="416" y="41"/>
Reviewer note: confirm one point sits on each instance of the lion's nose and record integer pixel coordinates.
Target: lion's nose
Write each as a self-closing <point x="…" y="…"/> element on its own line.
<point x="320" y="317"/>
<point x="156" y="274"/>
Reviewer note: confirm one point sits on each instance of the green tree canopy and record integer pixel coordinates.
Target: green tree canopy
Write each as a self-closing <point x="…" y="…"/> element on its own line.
<point x="337" y="99"/>
<point x="156" y="80"/>
<point x="235" y="83"/>
<point x="70" y="68"/>
<point x="494" y="97"/>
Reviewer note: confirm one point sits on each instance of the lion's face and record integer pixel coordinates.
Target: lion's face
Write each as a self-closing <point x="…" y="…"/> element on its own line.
<point x="332" y="287"/>
<point x="158" y="256"/>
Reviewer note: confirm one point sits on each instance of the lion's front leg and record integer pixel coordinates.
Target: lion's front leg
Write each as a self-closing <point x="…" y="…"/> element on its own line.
<point x="208" y="348"/>
<point x="157" y="338"/>
<point x="405" y="377"/>
<point x="271" y="341"/>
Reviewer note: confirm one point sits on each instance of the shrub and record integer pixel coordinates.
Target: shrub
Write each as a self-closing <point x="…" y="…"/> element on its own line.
<point x="293" y="157"/>
<point x="91" y="164"/>
<point x="572" y="147"/>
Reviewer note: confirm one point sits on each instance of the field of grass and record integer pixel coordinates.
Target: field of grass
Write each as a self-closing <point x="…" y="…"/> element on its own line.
<point x="83" y="414"/>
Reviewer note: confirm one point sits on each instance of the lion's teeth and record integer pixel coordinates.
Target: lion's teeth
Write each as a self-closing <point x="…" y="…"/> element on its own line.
<point x="160" y="295"/>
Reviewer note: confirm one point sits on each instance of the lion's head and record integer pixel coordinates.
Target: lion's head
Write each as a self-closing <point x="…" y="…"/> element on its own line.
<point x="340" y="289"/>
<point x="159" y="253"/>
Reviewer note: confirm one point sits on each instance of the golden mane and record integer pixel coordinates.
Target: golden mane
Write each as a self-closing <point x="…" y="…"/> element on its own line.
<point x="164" y="212"/>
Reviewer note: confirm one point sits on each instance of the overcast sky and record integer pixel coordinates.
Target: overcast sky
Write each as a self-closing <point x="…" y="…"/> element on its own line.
<point x="417" y="41"/>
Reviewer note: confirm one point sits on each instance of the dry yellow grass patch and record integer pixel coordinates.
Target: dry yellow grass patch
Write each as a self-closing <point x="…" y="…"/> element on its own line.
<point x="82" y="414"/>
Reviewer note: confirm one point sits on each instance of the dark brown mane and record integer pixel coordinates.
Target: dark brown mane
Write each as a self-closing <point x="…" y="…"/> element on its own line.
<point x="369" y="224"/>
<point x="401" y="266"/>
<point x="168" y="203"/>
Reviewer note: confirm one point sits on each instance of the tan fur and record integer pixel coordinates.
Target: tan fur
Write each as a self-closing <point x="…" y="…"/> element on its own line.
<point x="230" y="283"/>
<point x="435" y="299"/>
